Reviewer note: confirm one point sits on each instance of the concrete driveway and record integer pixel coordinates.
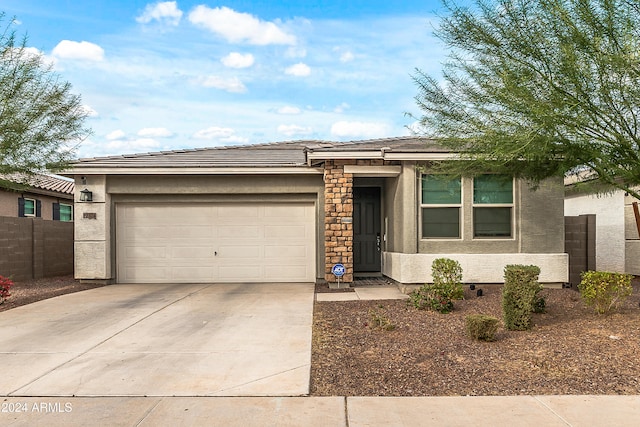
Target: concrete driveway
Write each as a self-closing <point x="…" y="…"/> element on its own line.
<point x="161" y="340"/>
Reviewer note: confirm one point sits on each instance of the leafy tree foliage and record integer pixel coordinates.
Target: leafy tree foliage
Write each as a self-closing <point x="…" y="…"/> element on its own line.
<point x="537" y="88"/>
<point x="41" y="121"/>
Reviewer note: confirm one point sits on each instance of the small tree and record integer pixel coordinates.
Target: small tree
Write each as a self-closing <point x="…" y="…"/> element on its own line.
<point x="538" y="88"/>
<point x="41" y="121"/>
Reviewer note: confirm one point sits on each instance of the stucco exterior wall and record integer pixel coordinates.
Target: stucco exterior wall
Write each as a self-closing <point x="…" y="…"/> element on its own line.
<point x="538" y="219"/>
<point x="476" y="268"/>
<point x="610" y="226"/>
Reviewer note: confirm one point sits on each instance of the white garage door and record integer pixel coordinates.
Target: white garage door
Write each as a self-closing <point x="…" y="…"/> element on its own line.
<point x="199" y="243"/>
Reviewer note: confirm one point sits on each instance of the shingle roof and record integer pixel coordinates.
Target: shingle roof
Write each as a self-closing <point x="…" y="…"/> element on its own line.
<point x="53" y="183"/>
<point x="277" y="154"/>
<point x="289" y="153"/>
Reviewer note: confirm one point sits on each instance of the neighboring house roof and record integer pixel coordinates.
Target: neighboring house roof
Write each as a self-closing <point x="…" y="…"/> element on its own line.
<point x="290" y="155"/>
<point x="42" y="184"/>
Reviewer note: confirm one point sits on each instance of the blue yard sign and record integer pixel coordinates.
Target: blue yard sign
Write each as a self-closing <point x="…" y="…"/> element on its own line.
<point x="338" y="270"/>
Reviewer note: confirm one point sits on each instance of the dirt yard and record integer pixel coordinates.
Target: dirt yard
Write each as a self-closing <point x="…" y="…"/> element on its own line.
<point x="570" y="350"/>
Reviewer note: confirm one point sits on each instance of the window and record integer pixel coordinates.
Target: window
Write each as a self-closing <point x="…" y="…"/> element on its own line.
<point x="492" y="206"/>
<point x="62" y="212"/>
<point x="28" y="207"/>
<point x="440" y="205"/>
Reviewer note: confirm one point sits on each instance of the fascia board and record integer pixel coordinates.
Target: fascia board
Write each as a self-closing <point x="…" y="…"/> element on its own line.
<point x="88" y="170"/>
<point x="358" y="155"/>
<point x="373" y="171"/>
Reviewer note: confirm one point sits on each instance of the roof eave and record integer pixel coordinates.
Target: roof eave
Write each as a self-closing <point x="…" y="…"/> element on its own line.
<point x="119" y="170"/>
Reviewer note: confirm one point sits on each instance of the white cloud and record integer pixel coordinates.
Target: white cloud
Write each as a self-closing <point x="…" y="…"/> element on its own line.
<point x="155" y="133"/>
<point x="116" y="134"/>
<point x="165" y="12"/>
<point x="359" y="129"/>
<point x="226" y="135"/>
<point x="291" y="130"/>
<point x="288" y="110"/>
<point x="237" y="27"/>
<point x="299" y="70"/>
<point x="346" y="56"/>
<point x="90" y="112"/>
<point x="238" y="60"/>
<point x="233" y="85"/>
<point x="68" y="49"/>
<point x="340" y="108"/>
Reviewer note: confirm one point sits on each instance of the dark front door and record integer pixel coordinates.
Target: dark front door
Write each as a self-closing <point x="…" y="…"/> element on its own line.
<point x="366" y="229"/>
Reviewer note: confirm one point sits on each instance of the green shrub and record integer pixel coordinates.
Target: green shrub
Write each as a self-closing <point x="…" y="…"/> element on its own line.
<point x="604" y="290"/>
<point x="446" y="286"/>
<point x="481" y="327"/>
<point x="519" y="296"/>
<point x="447" y="276"/>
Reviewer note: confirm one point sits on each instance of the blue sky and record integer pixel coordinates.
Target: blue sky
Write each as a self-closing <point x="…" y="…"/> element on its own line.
<point x="184" y="74"/>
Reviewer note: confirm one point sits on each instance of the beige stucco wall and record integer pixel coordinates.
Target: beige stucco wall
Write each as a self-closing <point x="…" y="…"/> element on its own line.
<point x="93" y="258"/>
<point x="476" y="268"/>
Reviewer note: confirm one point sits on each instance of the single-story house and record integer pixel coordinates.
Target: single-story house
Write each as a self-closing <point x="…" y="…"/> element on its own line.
<point x="49" y="197"/>
<point x="617" y="243"/>
<point x="290" y="211"/>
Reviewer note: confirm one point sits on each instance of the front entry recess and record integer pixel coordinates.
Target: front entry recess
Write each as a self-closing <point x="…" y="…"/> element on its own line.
<point x="366" y="230"/>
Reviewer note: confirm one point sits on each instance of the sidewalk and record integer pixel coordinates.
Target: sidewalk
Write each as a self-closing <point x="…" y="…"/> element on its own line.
<point x="547" y="411"/>
<point x="375" y="292"/>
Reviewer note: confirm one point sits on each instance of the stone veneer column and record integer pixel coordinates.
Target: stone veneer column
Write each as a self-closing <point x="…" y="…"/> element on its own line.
<point x="338" y="219"/>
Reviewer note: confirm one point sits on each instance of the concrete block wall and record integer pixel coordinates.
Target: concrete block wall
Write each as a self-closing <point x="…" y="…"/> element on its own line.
<point x="31" y="248"/>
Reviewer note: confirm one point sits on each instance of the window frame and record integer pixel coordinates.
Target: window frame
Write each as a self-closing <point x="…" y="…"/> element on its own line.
<point x="425" y="206"/>
<point x="511" y="206"/>
<point x="35" y="208"/>
<point x="70" y="206"/>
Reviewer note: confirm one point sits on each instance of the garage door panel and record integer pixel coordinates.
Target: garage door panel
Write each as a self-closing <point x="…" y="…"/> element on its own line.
<point x="285" y="231"/>
<point x="285" y="252"/>
<point x="233" y="212"/>
<point x="240" y="252"/>
<point x="159" y="243"/>
<point x="195" y="232"/>
<point x="145" y="252"/>
<point x="191" y="253"/>
<point x="239" y="232"/>
<point x="193" y="274"/>
<point x="240" y="273"/>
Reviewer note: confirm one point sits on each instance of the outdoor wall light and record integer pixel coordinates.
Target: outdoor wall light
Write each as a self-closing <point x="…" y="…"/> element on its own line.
<point x="86" y="196"/>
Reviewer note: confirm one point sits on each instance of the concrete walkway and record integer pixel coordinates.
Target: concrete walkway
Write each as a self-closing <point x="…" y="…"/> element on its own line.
<point x="535" y="411"/>
<point x="375" y="292"/>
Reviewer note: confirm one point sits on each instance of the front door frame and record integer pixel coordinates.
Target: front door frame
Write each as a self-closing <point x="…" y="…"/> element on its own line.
<point x="367" y="238"/>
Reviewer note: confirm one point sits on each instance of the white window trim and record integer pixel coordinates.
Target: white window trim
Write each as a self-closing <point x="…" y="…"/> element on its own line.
<point x="493" y="205"/>
<point x="35" y="207"/>
<point x="453" y="205"/>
